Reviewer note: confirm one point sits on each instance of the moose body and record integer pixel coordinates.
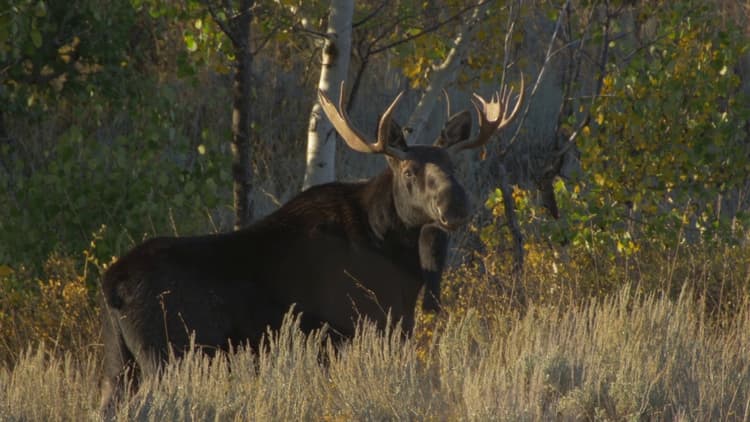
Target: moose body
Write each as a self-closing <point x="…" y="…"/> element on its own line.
<point x="336" y="253"/>
<point x="319" y="252"/>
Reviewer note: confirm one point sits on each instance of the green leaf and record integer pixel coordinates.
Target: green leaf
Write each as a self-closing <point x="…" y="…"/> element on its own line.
<point x="190" y="43"/>
<point x="210" y="185"/>
<point x="40" y="10"/>
<point x="36" y="38"/>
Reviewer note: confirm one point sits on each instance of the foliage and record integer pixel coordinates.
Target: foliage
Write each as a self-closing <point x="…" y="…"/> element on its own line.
<point x="431" y="31"/>
<point x="664" y="167"/>
<point x="50" y="49"/>
<point x="573" y="258"/>
<point x="90" y="138"/>
<point x="201" y="24"/>
<point x="134" y="184"/>
<point x="667" y="147"/>
<point x="58" y="310"/>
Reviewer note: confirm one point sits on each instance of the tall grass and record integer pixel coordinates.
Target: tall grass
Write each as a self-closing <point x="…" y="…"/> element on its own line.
<point x="620" y="358"/>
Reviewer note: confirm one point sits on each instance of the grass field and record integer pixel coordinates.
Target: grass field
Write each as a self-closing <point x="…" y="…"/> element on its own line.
<point x="621" y="358"/>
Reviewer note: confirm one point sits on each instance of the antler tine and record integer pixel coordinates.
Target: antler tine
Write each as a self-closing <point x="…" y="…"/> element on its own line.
<point x="447" y="104"/>
<point x="340" y="121"/>
<point x="492" y="115"/>
<point x="502" y="97"/>
<point x="342" y="109"/>
<point x="384" y="130"/>
<point x="353" y="137"/>
<point x="508" y="118"/>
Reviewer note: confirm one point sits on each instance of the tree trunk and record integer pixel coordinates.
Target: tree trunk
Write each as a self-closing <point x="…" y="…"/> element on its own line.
<point x="513" y="226"/>
<point x="443" y="74"/>
<point x="5" y="143"/>
<point x="242" y="171"/>
<point x="321" y="138"/>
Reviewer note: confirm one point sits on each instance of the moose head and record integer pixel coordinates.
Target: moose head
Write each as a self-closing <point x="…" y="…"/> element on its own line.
<point x="424" y="186"/>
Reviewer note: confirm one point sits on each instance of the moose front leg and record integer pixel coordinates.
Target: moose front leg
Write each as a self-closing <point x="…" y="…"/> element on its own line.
<point x="433" y="248"/>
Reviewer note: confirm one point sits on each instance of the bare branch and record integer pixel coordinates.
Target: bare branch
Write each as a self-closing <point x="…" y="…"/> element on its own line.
<point x="571" y="74"/>
<point x="512" y="220"/>
<point x="370" y="15"/>
<point x="365" y="53"/>
<point x="444" y="72"/>
<point x="357" y="82"/>
<point x="224" y="26"/>
<point x="506" y="44"/>
<point x="429" y="29"/>
<point x="601" y="63"/>
<point x="265" y="40"/>
<point x="538" y="81"/>
<point x="314" y="33"/>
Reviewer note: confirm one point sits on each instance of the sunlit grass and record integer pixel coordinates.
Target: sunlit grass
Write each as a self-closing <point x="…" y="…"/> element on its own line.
<point x="621" y="358"/>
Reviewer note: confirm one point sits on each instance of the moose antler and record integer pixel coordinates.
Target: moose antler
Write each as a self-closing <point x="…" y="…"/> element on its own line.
<point x="493" y="115"/>
<point x="353" y="137"/>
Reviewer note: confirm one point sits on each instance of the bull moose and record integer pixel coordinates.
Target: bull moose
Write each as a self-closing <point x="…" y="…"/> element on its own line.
<point x="337" y="252"/>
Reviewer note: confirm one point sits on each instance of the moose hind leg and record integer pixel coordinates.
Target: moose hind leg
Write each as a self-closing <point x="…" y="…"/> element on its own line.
<point x="121" y="372"/>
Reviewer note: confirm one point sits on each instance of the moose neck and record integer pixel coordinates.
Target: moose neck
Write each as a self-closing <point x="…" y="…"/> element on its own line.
<point x="377" y="199"/>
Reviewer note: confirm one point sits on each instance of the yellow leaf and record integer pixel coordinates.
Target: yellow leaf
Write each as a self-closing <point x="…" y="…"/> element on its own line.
<point x="222" y="68"/>
<point x="5" y="271"/>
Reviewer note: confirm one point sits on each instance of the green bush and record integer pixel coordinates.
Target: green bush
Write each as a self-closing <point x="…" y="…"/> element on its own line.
<point x="150" y="177"/>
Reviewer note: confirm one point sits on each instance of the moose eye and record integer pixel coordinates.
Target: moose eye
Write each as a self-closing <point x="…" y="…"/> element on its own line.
<point x="409" y="173"/>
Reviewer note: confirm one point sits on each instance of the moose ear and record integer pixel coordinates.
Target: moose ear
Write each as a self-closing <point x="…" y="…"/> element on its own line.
<point x="396" y="137"/>
<point x="457" y="128"/>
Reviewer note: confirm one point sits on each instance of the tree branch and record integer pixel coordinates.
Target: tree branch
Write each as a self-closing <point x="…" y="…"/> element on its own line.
<point x="429" y="29"/>
<point x="370" y="15"/>
<point x="224" y="26"/>
<point x="547" y="58"/>
<point x="512" y="219"/>
<point x="443" y="73"/>
<point x="602" y="63"/>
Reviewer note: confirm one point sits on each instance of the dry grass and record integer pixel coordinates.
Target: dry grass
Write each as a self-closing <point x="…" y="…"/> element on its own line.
<point x="621" y="358"/>
<point x="58" y="310"/>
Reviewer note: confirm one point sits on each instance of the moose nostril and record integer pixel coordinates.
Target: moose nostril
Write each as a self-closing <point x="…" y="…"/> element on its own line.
<point x="441" y="216"/>
<point x="438" y="213"/>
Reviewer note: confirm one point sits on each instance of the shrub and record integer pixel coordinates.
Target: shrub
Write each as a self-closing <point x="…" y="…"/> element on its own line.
<point x="58" y="310"/>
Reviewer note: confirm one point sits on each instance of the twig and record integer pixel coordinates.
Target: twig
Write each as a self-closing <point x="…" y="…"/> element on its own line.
<point x="222" y="24"/>
<point x="547" y="58"/>
<point x="429" y="29"/>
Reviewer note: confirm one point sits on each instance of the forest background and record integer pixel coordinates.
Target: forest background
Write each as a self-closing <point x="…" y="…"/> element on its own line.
<point x="116" y="124"/>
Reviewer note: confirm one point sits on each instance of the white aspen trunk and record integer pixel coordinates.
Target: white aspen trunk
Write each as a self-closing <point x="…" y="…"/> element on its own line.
<point x="321" y="138"/>
<point x="443" y="74"/>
